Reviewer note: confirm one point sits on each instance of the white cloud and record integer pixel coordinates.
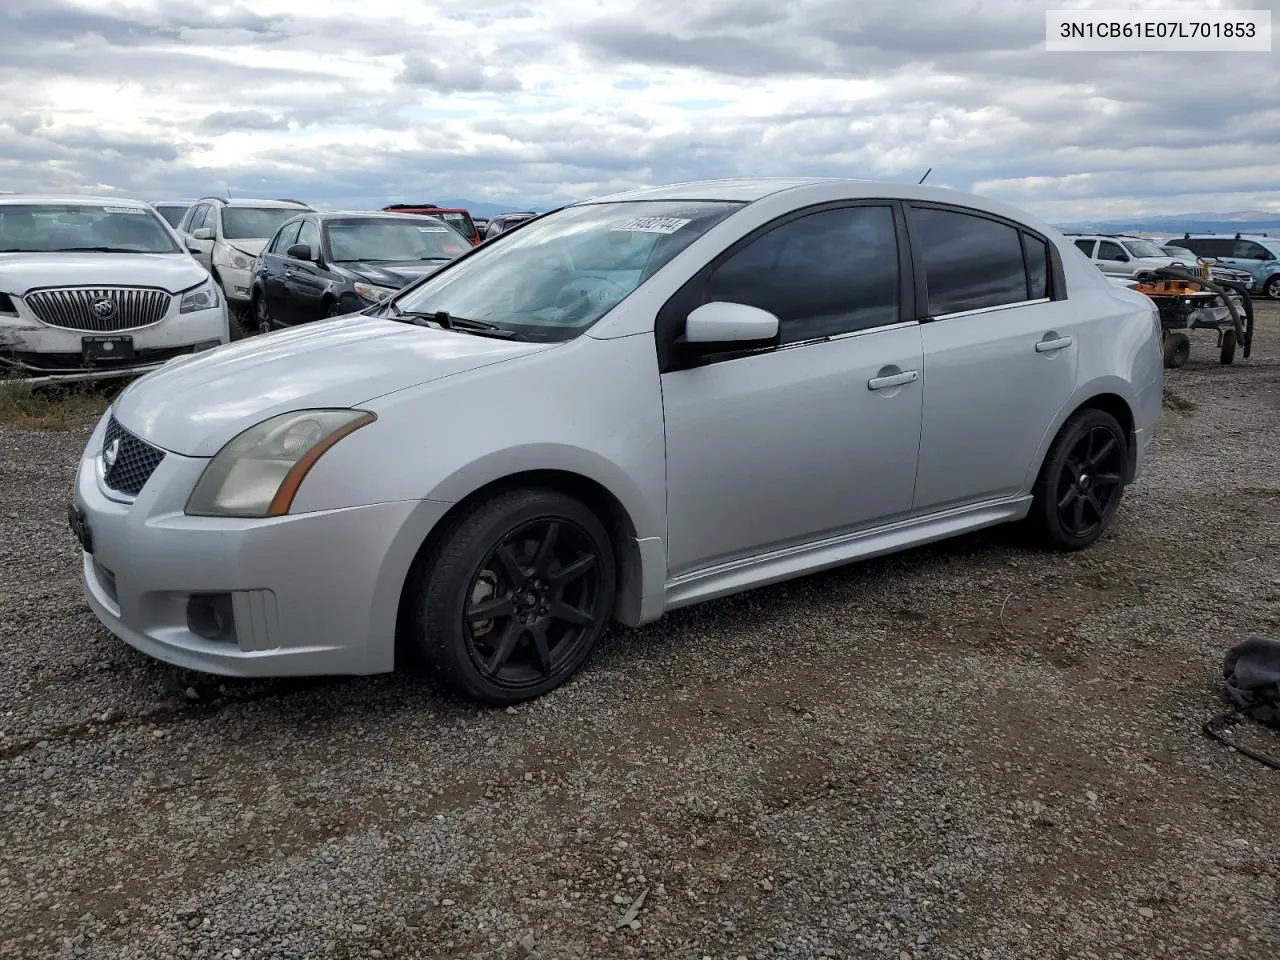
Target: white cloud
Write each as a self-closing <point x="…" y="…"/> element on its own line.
<point x="536" y="103"/>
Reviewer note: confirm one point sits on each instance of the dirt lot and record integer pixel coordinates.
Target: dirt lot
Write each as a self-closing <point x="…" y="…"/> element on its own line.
<point x="966" y="751"/>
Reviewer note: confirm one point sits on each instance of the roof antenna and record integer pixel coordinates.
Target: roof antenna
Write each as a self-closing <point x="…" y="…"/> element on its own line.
<point x="926" y="173"/>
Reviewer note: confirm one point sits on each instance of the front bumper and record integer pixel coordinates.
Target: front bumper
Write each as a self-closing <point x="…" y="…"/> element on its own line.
<point x="236" y="283"/>
<point x="39" y="352"/>
<point x="308" y="594"/>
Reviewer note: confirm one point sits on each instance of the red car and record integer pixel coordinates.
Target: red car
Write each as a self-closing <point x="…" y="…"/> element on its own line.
<point x="456" y="217"/>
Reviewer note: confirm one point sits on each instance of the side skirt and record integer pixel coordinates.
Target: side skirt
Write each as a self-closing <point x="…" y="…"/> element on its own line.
<point x="728" y="578"/>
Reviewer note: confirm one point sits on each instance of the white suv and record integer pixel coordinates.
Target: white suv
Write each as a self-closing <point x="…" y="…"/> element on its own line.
<point x="1123" y="256"/>
<point x="92" y="287"/>
<point x="226" y="236"/>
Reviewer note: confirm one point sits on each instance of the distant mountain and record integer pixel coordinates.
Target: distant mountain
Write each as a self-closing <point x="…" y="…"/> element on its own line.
<point x="1243" y="221"/>
<point x="479" y="208"/>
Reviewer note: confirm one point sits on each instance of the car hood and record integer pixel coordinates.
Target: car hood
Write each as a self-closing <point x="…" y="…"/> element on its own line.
<point x="194" y="405"/>
<point x="251" y="247"/>
<point x="392" y="274"/>
<point x="23" y="272"/>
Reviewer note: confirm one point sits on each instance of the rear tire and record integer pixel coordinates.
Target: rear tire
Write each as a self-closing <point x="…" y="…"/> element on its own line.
<point x="1081" y="482"/>
<point x="1177" y="349"/>
<point x="512" y="599"/>
<point x="1271" y="287"/>
<point x="1228" y="346"/>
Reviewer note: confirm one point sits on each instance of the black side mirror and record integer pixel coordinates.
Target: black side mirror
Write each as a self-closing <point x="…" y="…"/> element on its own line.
<point x="301" y="251"/>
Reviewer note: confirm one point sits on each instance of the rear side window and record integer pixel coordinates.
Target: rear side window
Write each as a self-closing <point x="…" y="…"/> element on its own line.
<point x="1036" y="252"/>
<point x="1086" y="247"/>
<point x="1209" y="246"/>
<point x="970" y="262"/>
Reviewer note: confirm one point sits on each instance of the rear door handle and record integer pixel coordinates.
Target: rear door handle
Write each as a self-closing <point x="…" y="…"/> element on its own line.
<point x="894" y="380"/>
<point x="1048" y="346"/>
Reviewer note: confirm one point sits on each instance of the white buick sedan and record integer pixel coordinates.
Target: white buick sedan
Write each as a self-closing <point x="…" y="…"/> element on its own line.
<point x="622" y="407"/>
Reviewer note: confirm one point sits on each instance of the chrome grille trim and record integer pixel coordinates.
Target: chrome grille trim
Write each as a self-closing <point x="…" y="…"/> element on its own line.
<point x="72" y="307"/>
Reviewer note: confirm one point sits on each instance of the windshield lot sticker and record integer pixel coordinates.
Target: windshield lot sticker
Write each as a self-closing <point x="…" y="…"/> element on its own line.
<point x="135" y="210"/>
<point x="652" y="224"/>
<point x="433" y="229"/>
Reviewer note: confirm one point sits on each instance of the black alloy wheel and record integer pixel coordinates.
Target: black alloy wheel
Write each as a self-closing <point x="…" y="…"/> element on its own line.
<point x="516" y="595"/>
<point x="263" y="314"/>
<point x="1082" y="481"/>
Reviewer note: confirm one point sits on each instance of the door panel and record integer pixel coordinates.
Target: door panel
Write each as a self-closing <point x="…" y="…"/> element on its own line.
<point x="993" y="382"/>
<point x="303" y="288"/>
<point x="1001" y="350"/>
<point x="785" y="447"/>
<point x="202" y="217"/>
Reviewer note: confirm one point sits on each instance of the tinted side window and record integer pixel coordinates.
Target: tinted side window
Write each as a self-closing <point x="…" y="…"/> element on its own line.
<point x="1248" y="250"/>
<point x="287" y="237"/>
<point x="1110" y="251"/>
<point x="309" y="233"/>
<point x="1086" y="247"/>
<point x="1036" y="252"/>
<point x="822" y="274"/>
<point x="1210" y="247"/>
<point x="969" y="262"/>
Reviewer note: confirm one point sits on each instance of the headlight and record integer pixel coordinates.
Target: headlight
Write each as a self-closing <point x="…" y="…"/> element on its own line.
<point x="372" y="292"/>
<point x="258" y="473"/>
<point x="203" y="297"/>
<point x="235" y="259"/>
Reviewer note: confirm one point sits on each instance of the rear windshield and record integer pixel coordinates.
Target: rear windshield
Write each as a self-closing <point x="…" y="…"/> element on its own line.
<point x="393" y="239"/>
<point x="97" y="228"/>
<point x="172" y="212"/>
<point x="254" y="223"/>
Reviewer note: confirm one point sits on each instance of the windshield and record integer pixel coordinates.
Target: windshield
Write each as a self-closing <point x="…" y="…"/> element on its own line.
<point x="1180" y="253"/>
<point x="556" y="276"/>
<point x="45" y="227"/>
<point x="172" y="212"/>
<point x="393" y="239"/>
<point x="1143" y="248"/>
<point x="254" y="223"/>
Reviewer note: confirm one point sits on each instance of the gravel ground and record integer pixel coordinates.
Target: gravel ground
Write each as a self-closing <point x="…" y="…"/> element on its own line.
<point x="971" y="750"/>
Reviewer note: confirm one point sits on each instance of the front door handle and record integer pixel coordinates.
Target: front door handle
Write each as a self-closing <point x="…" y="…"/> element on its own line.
<point x="1048" y="346"/>
<point x="893" y="380"/>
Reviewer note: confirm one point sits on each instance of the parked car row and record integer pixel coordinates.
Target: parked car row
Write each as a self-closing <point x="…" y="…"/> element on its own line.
<point x="1250" y="262"/>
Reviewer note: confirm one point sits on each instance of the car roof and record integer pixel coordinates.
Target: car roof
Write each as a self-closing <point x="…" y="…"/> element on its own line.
<point x="805" y="190"/>
<point x="368" y="214"/>
<point x="171" y="203"/>
<point x="248" y="202"/>
<point x="1224" y="236"/>
<point x="71" y="198"/>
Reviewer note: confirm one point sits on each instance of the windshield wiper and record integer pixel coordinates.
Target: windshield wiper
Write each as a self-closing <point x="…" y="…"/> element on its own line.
<point x="478" y="327"/>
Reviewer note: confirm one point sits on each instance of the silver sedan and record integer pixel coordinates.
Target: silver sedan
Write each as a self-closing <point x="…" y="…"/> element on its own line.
<point x="622" y="407"/>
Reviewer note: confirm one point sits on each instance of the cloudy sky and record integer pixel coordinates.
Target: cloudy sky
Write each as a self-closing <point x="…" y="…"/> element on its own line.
<point x="355" y="103"/>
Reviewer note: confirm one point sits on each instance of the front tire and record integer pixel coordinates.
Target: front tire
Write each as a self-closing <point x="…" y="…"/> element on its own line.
<point x="1081" y="482"/>
<point x="262" y="314"/>
<point x="1271" y="288"/>
<point x="513" y="599"/>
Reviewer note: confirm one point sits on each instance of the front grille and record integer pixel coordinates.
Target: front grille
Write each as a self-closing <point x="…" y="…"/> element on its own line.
<point x="101" y="309"/>
<point x="135" y="462"/>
